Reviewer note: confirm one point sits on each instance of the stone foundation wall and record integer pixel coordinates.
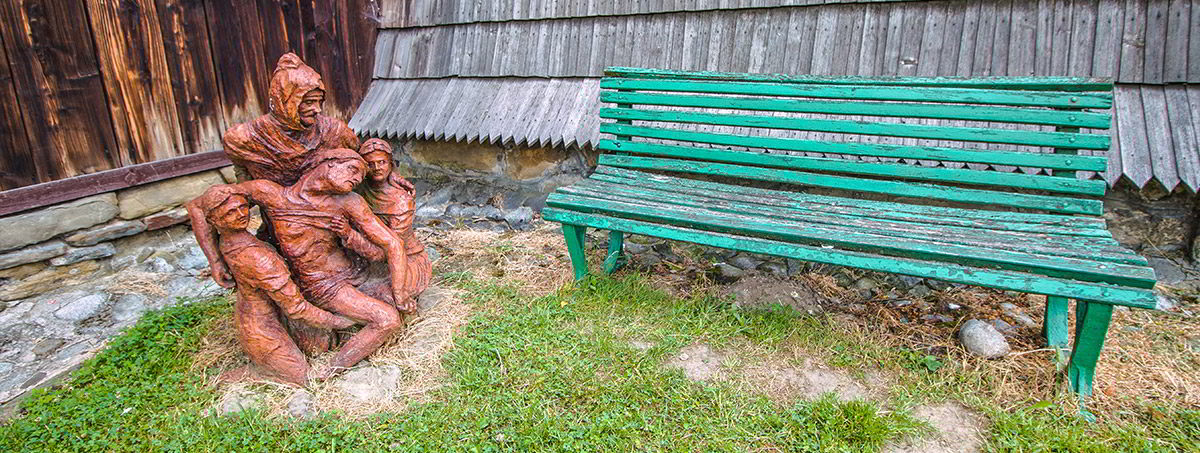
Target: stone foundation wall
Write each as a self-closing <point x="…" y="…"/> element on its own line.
<point x="484" y="185"/>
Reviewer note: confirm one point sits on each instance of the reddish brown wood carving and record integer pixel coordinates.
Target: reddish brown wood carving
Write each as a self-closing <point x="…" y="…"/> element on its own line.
<point x="338" y="259"/>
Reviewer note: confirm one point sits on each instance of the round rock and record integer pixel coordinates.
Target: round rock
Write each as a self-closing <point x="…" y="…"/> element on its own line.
<point x="983" y="340"/>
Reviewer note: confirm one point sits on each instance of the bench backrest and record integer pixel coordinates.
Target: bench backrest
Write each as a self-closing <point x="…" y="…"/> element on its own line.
<point x="953" y="139"/>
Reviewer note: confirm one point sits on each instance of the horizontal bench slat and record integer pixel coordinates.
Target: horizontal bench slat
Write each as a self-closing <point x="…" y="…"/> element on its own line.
<point x="855" y="239"/>
<point x="968" y="134"/>
<point x="1017" y="159"/>
<point x="992" y="278"/>
<point x="1047" y="99"/>
<point x="1026" y="243"/>
<point x="905" y="189"/>
<point x="1002" y="83"/>
<point x="896" y="170"/>
<point x="1074" y="225"/>
<point x="853" y="212"/>
<point x="889" y="109"/>
<point x="1087" y="248"/>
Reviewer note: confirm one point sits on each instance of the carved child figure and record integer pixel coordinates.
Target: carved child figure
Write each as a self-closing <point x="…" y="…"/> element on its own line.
<point x="391" y="197"/>
<point x="264" y="285"/>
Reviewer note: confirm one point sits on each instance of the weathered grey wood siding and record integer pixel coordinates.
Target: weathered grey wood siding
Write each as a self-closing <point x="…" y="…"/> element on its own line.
<point x="529" y="67"/>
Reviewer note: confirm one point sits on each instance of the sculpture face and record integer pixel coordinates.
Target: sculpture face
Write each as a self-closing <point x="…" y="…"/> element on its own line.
<point x="379" y="166"/>
<point x="233" y="214"/>
<point x="310" y="107"/>
<point x="342" y="176"/>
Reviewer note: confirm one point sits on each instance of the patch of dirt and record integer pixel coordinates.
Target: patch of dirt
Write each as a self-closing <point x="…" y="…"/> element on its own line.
<point x="698" y="362"/>
<point x="762" y="291"/>
<point x="536" y="261"/>
<point x="957" y="429"/>
<point x="775" y="375"/>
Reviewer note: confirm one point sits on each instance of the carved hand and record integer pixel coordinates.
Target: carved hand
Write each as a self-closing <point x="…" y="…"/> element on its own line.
<point x="340" y="225"/>
<point x="221" y="275"/>
<point x="404" y="302"/>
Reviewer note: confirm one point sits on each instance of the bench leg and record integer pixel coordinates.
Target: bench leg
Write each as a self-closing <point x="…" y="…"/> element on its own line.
<point x="1054" y="328"/>
<point x="1091" y="326"/>
<point x="576" y="235"/>
<point x="616" y="256"/>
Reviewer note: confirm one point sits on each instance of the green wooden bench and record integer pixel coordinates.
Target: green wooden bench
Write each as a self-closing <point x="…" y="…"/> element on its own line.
<point x="691" y="152"/>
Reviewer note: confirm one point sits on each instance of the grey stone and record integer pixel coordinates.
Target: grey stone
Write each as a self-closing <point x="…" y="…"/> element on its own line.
<point x="82" y="308"/>
<point x="5" y="367"/>
<point x="129" y="307"/>
<point x="229" y="174"/>
<point x="920" y="291"/>
<point x="239" y="400"/>
<point x="983" y="340"/>
<point x="40" y="225"/>
<point x="1166" y="270"/>
<point x="151" y="198"/>
<point x="452" y="211"/>
<point x="795" y="266"/>
<point x="729" y="271"/>
<point x="370" y="383"/>
<point x="776" y="269"/>
<point x="192" y="259"/>
<point x="469" y="212"/>
<point x="648" y="259"/>
<point x="192" y="288"/>
<point x="160" y="265"/>
<point x="46" y="346"/>
<point x="433" y="253"/>
<point x="866" y="283"/>
<point x="938" y="285"/>
<point x="1196" y="249"/>
<point x="519" y="218"/>
<point x="908" y="281"/>
<point x="1164" y="302"/>
<point x="33" y="253"/>
<point x="1023" y="320"/>
<point x="939" y="318"/>
<point x="491" y="213"/>
<point x="49" y="279"/>
<point x="301" y="404"/>
<point x="745" y="262"/>
<point x="77" y="254"/>
<point x="106" y="232"/>
<point x="432" y="297"/>
<point x="634" y="248"/>
<point x="1003" y="327"/>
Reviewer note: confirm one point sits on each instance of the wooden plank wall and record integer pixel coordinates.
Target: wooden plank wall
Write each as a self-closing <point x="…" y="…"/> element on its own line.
<point x="93" y="85"/>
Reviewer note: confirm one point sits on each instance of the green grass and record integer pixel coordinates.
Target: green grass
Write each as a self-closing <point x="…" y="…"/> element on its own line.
<point x="555" y="373"/>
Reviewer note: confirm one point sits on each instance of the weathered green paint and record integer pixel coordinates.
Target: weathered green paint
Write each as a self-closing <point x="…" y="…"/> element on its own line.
<point x="1095" y="249"/>
<point x="1077" y="225"/>
<point x="854" y="239"/>
<point x="999" y="83"/>
<point x="1091" y="326"/>
<point x="616" y="254"/>
<point x="992" y="278"/>
<point x="967" y="134"/>
<point x="576" y="235"/>
<point x="897" y="188"/>
<point x="890" y="109"/>
<point x="1014" y="158"/>
<point x="889" y="170"/>
<point x="1054" y="328"/>
<point x="1049" y="99"/>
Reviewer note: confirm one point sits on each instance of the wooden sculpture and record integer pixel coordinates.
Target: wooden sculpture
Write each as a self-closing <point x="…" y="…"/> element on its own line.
<point x="341" y="260"/>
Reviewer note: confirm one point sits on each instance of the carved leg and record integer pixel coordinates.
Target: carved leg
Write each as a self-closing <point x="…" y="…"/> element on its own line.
<point x="616" y="254"/>
<point x="576" y="235"/>
<point x="1054" y="328"/>
<point x="1091" y="326"/>
<point x="381" y="319"/>
<point x="268" y="345"/>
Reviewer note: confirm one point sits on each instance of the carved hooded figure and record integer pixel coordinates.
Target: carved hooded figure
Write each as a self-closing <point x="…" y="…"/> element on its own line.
<point x="276" y="146"/>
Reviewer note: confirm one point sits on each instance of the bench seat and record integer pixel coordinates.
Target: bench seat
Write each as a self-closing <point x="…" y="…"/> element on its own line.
<point x="797" y="166"/>
<point x="1035" y="253"/>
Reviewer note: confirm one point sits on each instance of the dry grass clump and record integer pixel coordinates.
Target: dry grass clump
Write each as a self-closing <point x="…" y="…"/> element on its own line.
<point x="535" y="261"/>
<point x="138" y="282"/>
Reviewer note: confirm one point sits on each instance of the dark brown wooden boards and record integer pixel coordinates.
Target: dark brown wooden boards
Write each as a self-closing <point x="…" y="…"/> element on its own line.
<point x="91" y="85"/>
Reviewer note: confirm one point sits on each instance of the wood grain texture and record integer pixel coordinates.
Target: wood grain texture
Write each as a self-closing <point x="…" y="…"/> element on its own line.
<point x="57" y="80"/>
<point x="16" y="162"/>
